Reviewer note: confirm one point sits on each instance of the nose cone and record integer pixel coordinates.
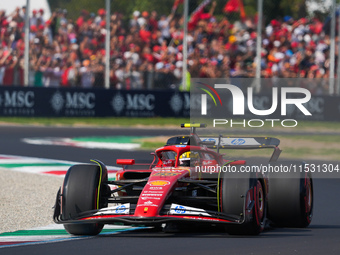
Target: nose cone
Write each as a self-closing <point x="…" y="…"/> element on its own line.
<point x="159" y="187"/>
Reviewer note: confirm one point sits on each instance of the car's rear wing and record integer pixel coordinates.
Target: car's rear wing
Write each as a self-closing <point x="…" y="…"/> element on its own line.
<point x="243" y="143"/>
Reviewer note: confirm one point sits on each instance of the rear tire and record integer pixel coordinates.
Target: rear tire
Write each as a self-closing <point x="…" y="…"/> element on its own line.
<point x="233" y="193"/>
<point x="290" y="198"/>
<point x="80" y="194"/>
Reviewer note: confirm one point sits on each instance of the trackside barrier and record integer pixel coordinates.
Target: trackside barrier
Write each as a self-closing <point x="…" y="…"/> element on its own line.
<point x="67" y="102"/>
<point x="78" y="102"/>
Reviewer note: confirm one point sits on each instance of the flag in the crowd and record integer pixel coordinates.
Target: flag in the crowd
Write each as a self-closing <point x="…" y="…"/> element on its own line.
<point x="235" y="6"/>
<point x="175" y="5"/>
<point x="195" y="16"/>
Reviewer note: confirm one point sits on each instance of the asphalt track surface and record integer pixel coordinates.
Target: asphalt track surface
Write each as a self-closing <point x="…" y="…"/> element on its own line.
<point x="321" y="237"/>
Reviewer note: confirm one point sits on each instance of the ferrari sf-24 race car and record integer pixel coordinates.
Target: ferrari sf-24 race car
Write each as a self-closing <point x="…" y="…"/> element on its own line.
<point x="185" y="184"/>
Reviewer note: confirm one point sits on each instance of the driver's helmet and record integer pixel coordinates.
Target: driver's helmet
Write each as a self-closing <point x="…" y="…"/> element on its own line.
<point x="188" y="158"/>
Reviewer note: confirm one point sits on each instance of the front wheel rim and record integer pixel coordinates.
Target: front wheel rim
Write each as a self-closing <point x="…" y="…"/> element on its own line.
<point x="309" y="196"/>
<point x="260" y="200"/>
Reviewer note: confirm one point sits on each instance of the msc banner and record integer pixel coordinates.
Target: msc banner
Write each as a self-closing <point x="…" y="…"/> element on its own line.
<point x="63" y="102"/>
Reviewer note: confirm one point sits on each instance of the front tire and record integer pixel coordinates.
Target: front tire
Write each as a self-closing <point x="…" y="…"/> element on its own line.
<point x="290" y="198"/>
<point x="234" y="196"/>
<point x="82" y="191"/>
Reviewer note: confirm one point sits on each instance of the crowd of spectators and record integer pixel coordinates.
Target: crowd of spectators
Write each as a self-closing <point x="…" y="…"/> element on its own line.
<point x="146" y="49"/>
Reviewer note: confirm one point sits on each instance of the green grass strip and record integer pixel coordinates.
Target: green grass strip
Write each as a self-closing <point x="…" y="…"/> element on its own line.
<point x="108" y="121"/>
<point x="46" y="232"/>
<point x="158" y="121"/>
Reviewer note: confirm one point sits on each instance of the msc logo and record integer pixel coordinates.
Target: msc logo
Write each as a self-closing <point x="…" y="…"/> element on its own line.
<point x="75" y="100"/>
<point x="17" y="99"/>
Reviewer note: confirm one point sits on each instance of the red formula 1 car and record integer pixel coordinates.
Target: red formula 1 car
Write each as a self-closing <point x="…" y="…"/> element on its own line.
<point x="189" y="181"/>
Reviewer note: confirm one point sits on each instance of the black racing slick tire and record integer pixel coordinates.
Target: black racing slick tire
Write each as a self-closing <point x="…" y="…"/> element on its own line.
<point x="234" y="197"/>
<point x="290" y="198"/>
<point x="82" y="191"/>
